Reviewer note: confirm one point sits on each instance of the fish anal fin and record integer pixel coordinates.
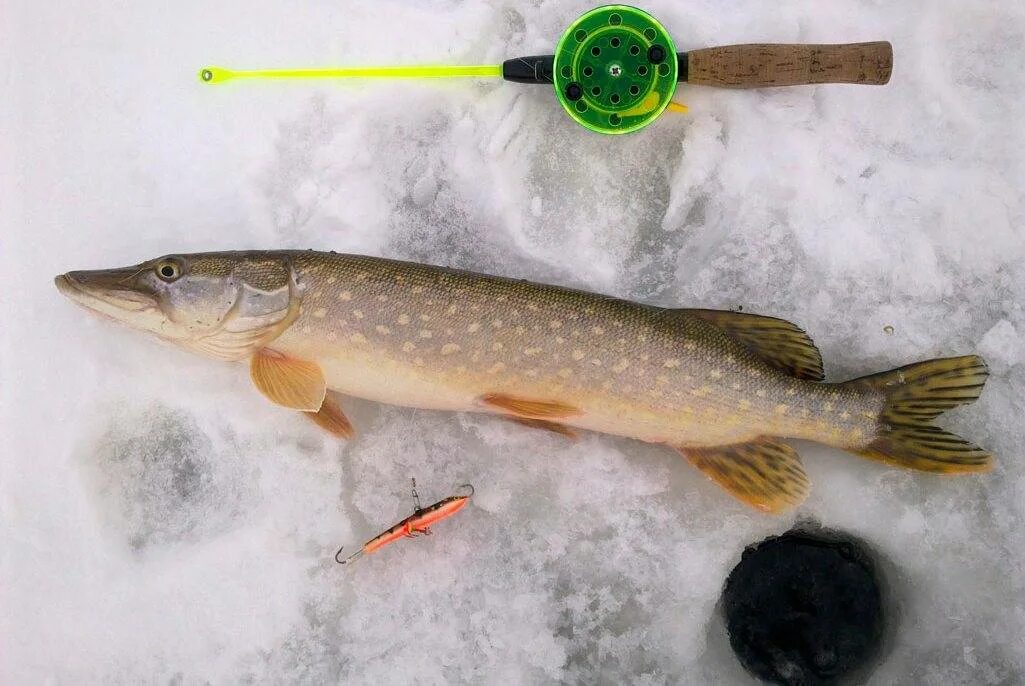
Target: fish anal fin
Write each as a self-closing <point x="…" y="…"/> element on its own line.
<point x="765" y="474"/>
<point x="554" y="427"/>
<point x="779" y="343"/>
<point x="331" y="418"/>
<point x="293" y="383"/>
<point x="530" y="409"/>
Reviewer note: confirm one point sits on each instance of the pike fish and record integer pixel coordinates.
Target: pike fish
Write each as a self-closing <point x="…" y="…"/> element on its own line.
<point x="722" y="388"/>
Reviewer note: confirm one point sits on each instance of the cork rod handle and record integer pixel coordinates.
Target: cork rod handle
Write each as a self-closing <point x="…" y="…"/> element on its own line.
<point x="761" y="65"/>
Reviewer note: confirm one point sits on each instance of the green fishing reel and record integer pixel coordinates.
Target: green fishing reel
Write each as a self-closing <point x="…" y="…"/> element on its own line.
<point x="615" y="69"/>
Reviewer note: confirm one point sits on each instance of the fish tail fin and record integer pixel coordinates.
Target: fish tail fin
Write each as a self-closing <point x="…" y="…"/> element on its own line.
<point x="916" y="395"/>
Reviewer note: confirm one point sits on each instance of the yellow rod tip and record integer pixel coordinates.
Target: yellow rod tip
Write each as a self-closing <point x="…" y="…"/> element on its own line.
<point x="215" y="74"/>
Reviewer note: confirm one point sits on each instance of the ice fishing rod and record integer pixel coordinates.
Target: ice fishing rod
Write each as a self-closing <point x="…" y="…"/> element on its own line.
<point x="616" y="68"/>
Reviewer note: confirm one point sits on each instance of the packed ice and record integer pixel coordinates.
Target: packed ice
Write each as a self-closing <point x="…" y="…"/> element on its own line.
<point x="162" y="523"/>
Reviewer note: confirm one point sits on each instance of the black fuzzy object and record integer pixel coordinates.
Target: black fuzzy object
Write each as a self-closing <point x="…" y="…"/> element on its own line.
<point x="804" y="608"/>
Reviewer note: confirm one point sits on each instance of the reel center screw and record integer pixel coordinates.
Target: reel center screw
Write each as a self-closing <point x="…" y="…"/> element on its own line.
<point x="615" y="70"/>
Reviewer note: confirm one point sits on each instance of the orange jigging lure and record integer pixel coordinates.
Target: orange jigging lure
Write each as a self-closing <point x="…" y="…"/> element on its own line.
<point x="417" y="524"/>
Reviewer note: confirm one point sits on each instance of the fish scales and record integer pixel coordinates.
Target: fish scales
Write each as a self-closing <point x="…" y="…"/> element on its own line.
<point x="436" y="338"/>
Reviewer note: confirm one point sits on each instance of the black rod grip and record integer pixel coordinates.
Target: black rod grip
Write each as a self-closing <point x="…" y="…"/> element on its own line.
<point x="682" y="67"/>
<point x="535" y="69"/>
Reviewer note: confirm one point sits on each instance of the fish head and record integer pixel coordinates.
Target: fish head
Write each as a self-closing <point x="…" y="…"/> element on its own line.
<point x="223" y="305"/>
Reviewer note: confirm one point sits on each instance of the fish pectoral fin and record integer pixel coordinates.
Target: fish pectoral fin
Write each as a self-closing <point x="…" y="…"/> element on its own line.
<point x="554" y="427"/>
<point x="530" y="409"/>
<point x="331" y="418"/>
<point x="765" y="474"/>
<point x="779" y="343"/>
<point x="297" y="384"/>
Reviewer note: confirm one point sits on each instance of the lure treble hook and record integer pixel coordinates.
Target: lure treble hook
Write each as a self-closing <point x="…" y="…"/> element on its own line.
<point x="352" y="558"/>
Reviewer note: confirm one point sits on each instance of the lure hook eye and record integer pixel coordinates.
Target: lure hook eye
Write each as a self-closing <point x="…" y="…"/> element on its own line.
<point x="467" y="487"/>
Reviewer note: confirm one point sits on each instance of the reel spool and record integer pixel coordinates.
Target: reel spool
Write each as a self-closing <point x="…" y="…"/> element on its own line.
<point x="615" y="69"/>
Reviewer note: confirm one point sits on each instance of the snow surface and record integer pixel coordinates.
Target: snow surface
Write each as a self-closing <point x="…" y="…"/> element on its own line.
<point x="160" y="522"/>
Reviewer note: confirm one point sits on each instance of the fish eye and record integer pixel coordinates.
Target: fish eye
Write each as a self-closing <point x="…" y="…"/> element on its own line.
<point x="168" y="270"/>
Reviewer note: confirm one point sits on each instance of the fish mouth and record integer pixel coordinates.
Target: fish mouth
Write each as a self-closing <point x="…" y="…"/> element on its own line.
<point x="105" y="291"/>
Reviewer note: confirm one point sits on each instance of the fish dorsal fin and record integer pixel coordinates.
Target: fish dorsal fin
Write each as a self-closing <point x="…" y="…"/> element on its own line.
<point x="765" y="474"/>
<point x="297" y="384"/>
<point x="331" y="418"/>
<point x="780" y="343"/>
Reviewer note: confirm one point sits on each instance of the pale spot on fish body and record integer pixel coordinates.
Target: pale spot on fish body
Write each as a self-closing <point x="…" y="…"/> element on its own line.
<point x="383" y="330"/>
<point x="320" y="313"/>
<point x="345" y="296"/>
<point x="408" y="347"/>
<point x="450" y="349"/>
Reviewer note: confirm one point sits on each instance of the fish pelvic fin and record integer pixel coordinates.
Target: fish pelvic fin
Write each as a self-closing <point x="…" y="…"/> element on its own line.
<point x="331" y="418"/>
<point x="779" y="343"/>
<point x="286" y="381"/>
<point x="915" y="395"/>
<point x="765" y="474"/>
<point x="528" y="408"/>
<point x="553" y="427"/>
